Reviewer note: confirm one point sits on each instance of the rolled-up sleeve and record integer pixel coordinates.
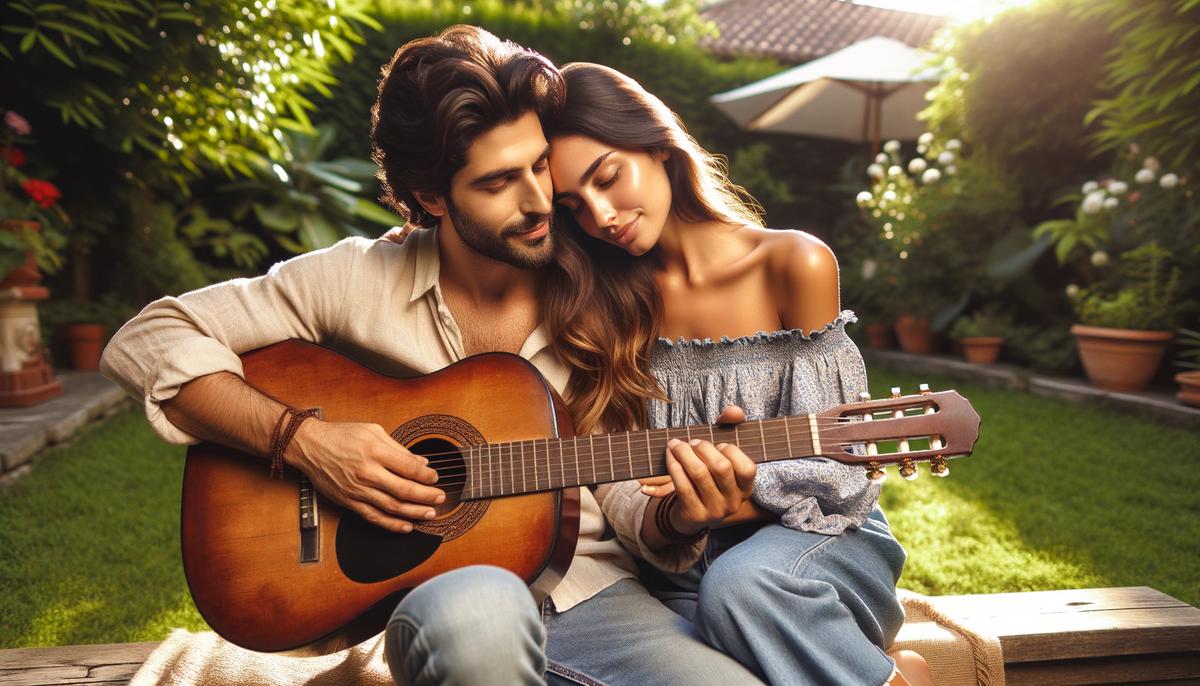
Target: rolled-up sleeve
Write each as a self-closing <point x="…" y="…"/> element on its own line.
<point x="624" y="505"/>
<point x="177" y="339"/>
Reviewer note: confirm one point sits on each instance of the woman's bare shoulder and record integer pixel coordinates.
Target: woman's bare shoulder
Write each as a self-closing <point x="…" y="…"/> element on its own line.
<point x="797" y="255"/>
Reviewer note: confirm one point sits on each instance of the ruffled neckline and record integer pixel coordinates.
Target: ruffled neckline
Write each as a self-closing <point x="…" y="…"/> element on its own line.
<point x="845" y="317"/>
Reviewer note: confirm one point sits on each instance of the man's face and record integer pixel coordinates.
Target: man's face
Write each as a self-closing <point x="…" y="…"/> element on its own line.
<point x="499" y="202"/>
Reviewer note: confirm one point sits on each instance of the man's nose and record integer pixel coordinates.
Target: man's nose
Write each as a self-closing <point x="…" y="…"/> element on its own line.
<point x="537" y="199"/>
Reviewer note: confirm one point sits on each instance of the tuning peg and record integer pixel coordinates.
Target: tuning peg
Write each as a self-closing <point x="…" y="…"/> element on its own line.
<point x="938" y="467"/>
<point x="864" y="396"/>
<point x="924" y="388"/>
<point x="908" y="470"/>
<point x="875" y="472"/>
<point x="895" y="391"/>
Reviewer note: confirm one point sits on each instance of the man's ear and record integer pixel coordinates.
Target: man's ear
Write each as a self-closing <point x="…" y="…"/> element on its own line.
<point x="433" y="203"/>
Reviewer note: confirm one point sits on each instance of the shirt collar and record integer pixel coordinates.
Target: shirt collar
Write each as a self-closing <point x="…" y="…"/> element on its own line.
<point x="428" y="267"/>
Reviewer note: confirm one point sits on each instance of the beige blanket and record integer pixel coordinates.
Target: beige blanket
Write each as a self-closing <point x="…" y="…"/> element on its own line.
<point x="957" y="654"/>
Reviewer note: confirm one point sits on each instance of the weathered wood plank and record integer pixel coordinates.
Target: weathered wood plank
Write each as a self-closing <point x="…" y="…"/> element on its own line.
<point x="112" y="663"/>
<point x="1138" y="669"/>
<point x="1081" y="623"/>
<point x="1055" y="602"/>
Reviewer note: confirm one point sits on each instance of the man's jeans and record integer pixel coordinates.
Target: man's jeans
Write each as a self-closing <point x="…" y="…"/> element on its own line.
<point x="793" y="607"/>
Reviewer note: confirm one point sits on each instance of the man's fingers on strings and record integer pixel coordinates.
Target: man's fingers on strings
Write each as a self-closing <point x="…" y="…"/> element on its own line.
<point x="380" y="519"/>
<point x="407" y="490"/>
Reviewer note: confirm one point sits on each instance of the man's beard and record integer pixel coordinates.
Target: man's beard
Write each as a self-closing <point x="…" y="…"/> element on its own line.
<point x="498" y="246"/>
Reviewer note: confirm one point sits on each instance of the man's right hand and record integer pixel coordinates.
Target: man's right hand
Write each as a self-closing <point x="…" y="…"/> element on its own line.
<point x="360" y="467"/>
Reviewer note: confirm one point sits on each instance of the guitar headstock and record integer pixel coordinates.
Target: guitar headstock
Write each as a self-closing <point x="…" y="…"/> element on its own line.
<point x="903" y="429"/>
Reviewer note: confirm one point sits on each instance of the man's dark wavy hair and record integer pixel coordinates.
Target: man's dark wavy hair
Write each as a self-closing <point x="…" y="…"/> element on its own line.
<point x="438" y="95"/>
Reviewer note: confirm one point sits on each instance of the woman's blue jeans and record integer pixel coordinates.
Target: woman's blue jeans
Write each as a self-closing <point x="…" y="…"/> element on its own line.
<point x="781" y="606"/>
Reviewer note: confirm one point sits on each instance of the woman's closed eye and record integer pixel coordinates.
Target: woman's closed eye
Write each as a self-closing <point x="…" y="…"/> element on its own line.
<point x="610" y="180"/>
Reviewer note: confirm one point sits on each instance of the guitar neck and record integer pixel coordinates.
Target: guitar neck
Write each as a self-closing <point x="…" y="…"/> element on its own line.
<point x="499" y="469"/>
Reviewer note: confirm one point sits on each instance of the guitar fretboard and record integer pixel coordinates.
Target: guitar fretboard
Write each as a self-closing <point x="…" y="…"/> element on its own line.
<point x="499" y="469"/>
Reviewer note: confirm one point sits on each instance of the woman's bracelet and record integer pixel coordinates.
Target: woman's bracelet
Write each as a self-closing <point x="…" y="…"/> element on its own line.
<point x="662" y="518"/>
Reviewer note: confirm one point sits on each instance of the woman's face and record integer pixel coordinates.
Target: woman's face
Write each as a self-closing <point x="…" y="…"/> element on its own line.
<point x="619" y="196"/>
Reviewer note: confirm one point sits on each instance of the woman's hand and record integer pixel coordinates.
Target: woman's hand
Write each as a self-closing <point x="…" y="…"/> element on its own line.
<point x="711" y="482"/>
<point x="661" y="486"/>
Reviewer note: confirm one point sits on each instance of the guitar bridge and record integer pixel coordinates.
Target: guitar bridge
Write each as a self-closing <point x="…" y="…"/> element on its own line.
<point x="310" y="532"/>
<point x="310" y="538"/>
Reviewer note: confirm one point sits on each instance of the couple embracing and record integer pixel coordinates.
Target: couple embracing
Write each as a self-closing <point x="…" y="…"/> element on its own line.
<point x="566" y="216"/>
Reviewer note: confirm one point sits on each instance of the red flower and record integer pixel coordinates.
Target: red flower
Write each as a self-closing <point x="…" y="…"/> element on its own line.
<point x="43" y="193"/>
<point x="13" y="156"/>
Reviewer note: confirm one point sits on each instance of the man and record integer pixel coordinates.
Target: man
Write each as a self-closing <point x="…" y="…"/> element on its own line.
<point x="458" y="140"/>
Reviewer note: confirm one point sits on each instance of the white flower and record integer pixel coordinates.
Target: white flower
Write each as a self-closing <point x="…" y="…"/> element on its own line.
<point x="964" y="76"/>
<point x="881" y="158"/>
<point x="1090" y="187"/>
<point x="892" y="146"/>
<point x="875" y="171"/>
<point x="1072" y="291"/>
<point x="1099" y="258"/>
<point x="953" y="144"/>
<point x="1093" y="202"/>
<point x="931" y="176"/>
<point x="926" y="138"/>
<point x="1152" y="164"/>
<point x="1118" y="187"/>
<point x="945" y="158"/>
<point x="889" y="196"/>
<point x="1144" y="175"/>
<point x="868" y="269"/>
<point x="1111" y="203"/>
<point x="951" y="170"/>
<point x="916" y="165"/>
<point x="895" y="170"/>
<point x="1169" y="181"/>
<point x="863" y="198"/>
<point x="922" y="149"/>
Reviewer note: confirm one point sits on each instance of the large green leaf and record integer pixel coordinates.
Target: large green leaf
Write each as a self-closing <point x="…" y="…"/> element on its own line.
<point x="277" y="217"/>
<point x="316" y="232"/>
<point x="1015" y="255"/>
<point x="329" y="178"/>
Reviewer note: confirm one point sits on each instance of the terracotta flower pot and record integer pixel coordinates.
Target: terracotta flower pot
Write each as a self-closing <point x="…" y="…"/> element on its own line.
<point x="1120" y="359"/>
<point x="880" y="336"/>
<point x="914" y="335"/>
<point x="1189" y="388"/>
<point x="982" y="349"/>
<point x="86" y="342"/>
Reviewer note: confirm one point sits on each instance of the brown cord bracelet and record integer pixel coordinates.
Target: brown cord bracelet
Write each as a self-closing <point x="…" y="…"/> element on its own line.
<point x="281" y="438"/>
<point x="662" y="518"/>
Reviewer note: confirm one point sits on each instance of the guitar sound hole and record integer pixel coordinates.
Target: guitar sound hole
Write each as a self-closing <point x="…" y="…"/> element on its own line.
<point x="444" y="457"/>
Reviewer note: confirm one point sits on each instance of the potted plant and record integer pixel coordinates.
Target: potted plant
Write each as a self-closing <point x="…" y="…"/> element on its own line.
<point x="981" y="334"/>
<point x="81" y="327"/>
<point x="1125" y="322"/>
<point x="1189" y="359"/>
<point x="30" y="217"/>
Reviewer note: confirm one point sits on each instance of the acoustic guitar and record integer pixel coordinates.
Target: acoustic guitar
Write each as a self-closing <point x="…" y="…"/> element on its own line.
<point x="274" y="566"/>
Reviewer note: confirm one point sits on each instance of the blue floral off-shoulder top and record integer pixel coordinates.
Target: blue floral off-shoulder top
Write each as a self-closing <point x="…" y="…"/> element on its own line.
<point x="774" y="375"/>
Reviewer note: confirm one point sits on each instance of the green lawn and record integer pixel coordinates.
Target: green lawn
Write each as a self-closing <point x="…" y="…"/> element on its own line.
<point x="1056" y="496"/>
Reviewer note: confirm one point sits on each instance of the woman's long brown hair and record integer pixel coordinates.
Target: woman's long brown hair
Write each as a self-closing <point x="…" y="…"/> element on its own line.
<point x="603" y="307"/>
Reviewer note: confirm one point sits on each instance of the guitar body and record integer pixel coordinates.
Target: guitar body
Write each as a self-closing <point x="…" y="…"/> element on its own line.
<point x="267" y="583"/>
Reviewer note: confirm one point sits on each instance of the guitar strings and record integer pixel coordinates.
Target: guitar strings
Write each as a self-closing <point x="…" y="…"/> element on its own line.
<point x="491" y="474"/>
<point x="822" y="423"/>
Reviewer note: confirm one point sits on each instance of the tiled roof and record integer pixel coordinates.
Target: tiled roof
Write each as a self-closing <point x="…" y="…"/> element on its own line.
<point x="795" y="31"/>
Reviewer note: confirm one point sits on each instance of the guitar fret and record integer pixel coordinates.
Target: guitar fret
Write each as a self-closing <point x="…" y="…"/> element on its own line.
<point x="629" y="451"/>
<point x="592" y="454"/>
<point x="649" y="454"/>
<point x="611" y="471"/>
<point x="763" y="438"/>
<point x="562" y="467"/>
<point x="788" y="433"/>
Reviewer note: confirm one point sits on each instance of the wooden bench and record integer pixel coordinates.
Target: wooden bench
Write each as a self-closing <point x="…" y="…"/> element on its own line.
<point x="1092" y="636"/>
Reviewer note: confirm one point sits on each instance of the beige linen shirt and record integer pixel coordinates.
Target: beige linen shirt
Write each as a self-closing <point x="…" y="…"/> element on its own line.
<point x="379" y="303"/>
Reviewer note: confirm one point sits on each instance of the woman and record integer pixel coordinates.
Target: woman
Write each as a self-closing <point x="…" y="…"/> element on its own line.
<point x="678" y="259"/>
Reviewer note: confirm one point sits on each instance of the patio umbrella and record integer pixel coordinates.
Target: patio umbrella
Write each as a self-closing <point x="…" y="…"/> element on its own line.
<point x="870" y="90"/>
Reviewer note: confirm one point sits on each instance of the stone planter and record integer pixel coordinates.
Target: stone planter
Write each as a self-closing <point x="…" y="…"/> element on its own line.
<point x="86" y="342"/>
<point x="1120" y="359"/>
<point x="26" y="377"/>
<point x="981" y="349"/>
<point x="1189" y="388"/>
<point x="880" y="336"/>
<point x="914" y="335"/>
